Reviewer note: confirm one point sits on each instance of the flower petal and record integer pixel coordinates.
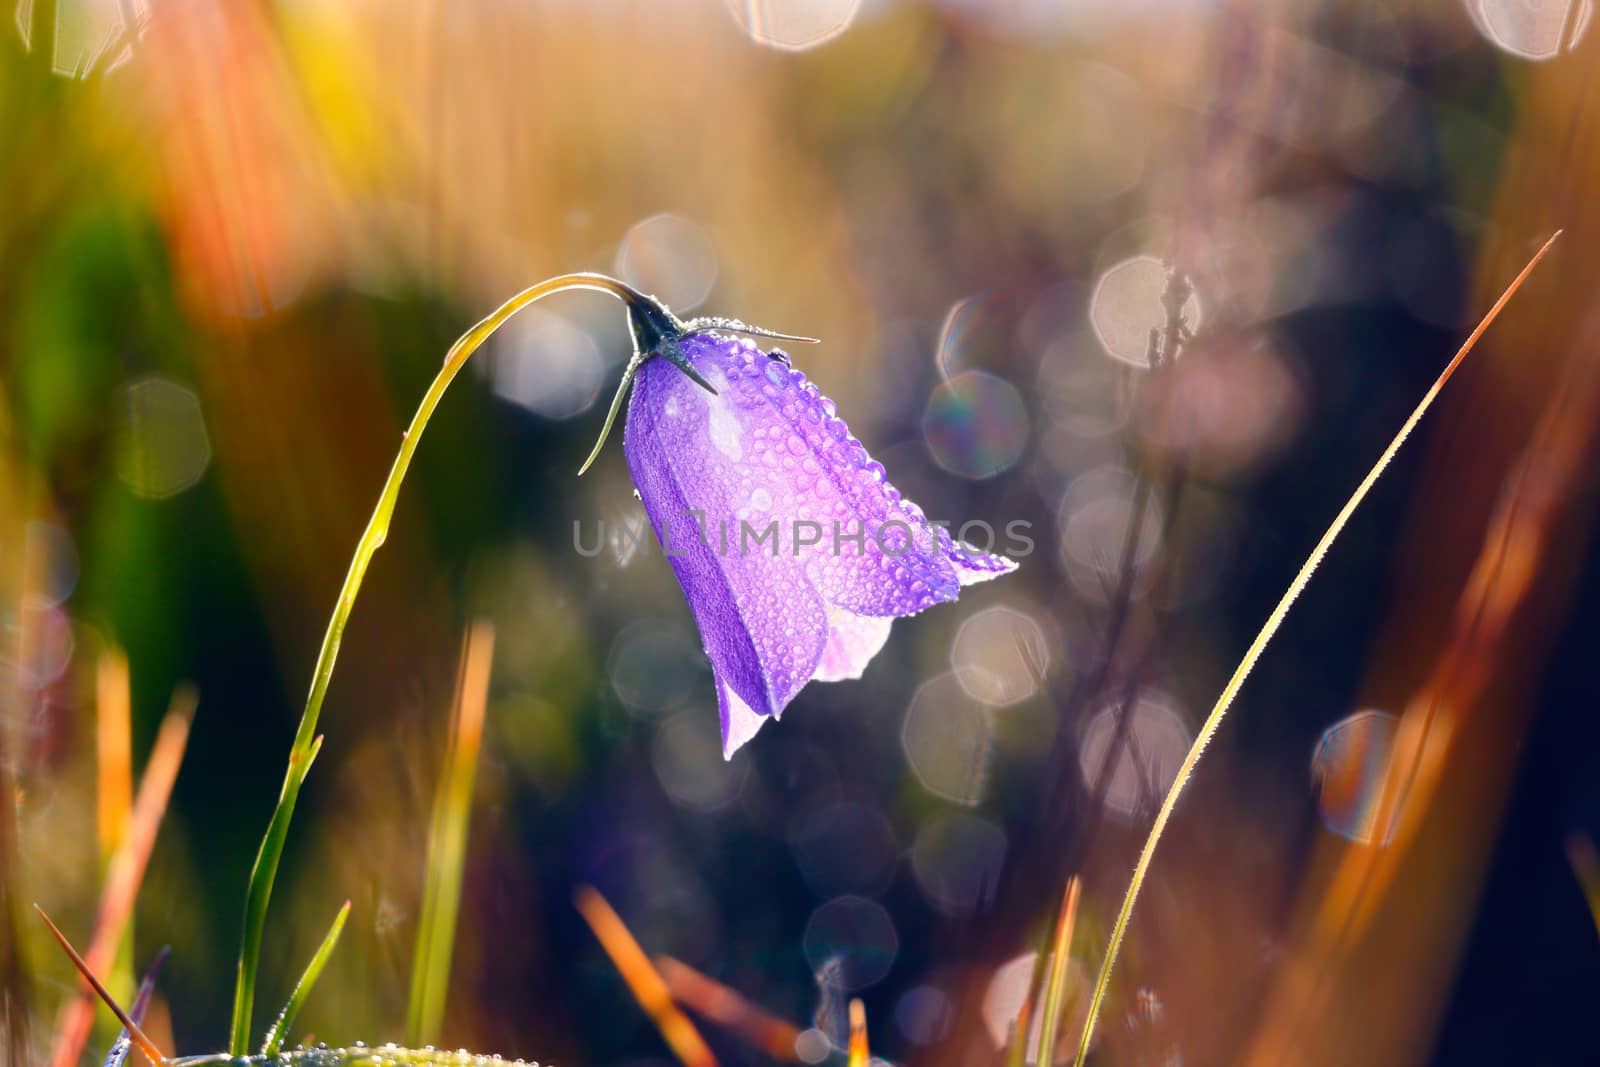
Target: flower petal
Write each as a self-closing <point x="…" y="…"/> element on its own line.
<point x="878" y="555"/>
<point x="762" y="623"/>
<point x="852" y="642"/>
<point x="739" y="720"/>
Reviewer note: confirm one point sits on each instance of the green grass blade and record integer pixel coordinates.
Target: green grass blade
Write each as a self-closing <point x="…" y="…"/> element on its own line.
<point x="302" y="989"/>
<point x="265" y="870"/>
<point x="447" y="843"/>
<point x="1209" y="728"/>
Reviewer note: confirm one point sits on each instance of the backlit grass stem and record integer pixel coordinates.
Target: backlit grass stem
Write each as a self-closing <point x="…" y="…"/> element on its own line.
<point x="303" y="750"/>
<point x="447" y="842"/>
<point x="1208" y="729"/>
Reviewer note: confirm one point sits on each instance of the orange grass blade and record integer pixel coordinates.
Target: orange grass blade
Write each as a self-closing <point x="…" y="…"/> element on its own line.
<point x="1518" y="533"/>
<point x="113" y="752"/>
<point x="146" y="1046"/>
<point x="1208" y="729"/>
<point x="126" y="871"/>
<point x="643" y="981"/>
<point x="859" y="1052"/>
<point x="447" y="841"/>
<point x="1056" y="983"/>
<point x="113" y="792"/>
<point x="1017" y="1053"/>
<point x="728" y="1008"/>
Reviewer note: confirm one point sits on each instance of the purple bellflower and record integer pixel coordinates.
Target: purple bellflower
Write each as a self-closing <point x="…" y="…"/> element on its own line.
<point x="792" y="548"/>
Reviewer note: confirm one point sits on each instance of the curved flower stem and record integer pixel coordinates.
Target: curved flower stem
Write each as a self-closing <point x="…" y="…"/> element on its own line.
<point x="1209" y="728"/>
<point x="303" y="750"/>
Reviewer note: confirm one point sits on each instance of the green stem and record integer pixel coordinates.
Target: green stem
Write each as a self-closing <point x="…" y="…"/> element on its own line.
<point x="301" y="752"/>
<point x="1209" y="728"/>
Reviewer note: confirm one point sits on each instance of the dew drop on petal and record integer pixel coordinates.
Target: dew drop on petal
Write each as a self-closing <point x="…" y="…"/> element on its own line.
<point x="1347" y="770"/>
<point x="723" y="426"/>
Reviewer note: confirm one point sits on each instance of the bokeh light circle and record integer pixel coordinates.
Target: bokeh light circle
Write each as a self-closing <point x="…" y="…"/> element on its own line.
<point x="793" y="25"/>
<point x="1127" y="305"/>
<point x="1532" y="29"/>
<point x="812" y="1046"/>
<point x="1000" y="656"/>
<point x="924" y="1014"/>
<point x="162" y="444"/>
<point x="975" y="424"/>
<point x="44" y="644"/>
<point x="50" y="562"/>
<point x="654" y="665"/>
<point x="948" y="740"/>
<point x="1008" y="989"/>
<point x="1003" y="999"/>
<point x="957" y="860"/>
<point x="669" y="257"/>
<point x="845" y="848"/>
<point x="853" y="939"/>
<point x="1347" y="770"/>
<point x="543" y="362"/>
<point x="1094" y="519"/>
<point x="1147" y="755"/>
<point x="687" y="756"/>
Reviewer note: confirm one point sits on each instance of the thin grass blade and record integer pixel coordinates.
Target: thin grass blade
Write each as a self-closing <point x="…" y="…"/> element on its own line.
<point x="642" y="980"/>
<point x="302" y="989"/>
<point x="1056" y="980"/>
<point x="265" y="870"/>
<point x="146" y="1046"/>
<point x="114" y="789"/>
<point x="1268" y="629"/>
<point x="728" y="1008"/>
<point x="447" y="841"/>
<point x="126" y="871"/>
<point x="860" y="1052"/>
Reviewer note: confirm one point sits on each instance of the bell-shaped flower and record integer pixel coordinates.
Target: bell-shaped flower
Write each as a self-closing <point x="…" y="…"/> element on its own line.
<point x="792" y="548"/>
